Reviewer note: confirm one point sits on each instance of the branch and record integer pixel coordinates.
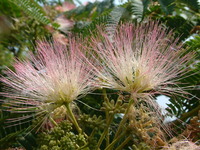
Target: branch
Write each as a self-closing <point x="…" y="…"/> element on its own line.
<point x="186" y="115"/>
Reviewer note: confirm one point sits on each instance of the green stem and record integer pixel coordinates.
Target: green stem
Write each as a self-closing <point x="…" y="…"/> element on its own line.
<point x="109" y="147"/>
<point x="104" y="93"/>
<point x="107" y="137"/>
<point x="108" y="122"/>
<point x="124" y="143"/>
<point x="92" y="134"/>
<point x="86" y="144"/>
<point x="73" y="118"/>
<point x="105" y="132"/>
<point x="124" y="118"/>
<point x="53" y="121"/>
<point x="186" y="115"/>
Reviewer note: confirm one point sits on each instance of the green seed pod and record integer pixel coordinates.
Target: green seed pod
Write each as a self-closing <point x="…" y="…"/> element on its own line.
<point x="44" y="147"/>
<point x="111" y="112"/>
<point x="56" y="148"/>
<point x="112" y="102"/>
<point x="52" y="143"/>
<point x="119" y="103"/>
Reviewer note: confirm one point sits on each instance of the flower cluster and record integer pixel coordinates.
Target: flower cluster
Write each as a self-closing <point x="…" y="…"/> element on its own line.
<point x="139" y="59"/>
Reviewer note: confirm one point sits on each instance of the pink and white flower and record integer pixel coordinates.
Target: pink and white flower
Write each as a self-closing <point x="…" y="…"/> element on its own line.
<point x="47" y="81"/>
<point x="140" y="59"/>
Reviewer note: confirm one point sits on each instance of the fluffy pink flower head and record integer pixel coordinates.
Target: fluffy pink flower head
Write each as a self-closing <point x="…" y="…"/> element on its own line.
<point x="52" y="78"/>
<point x="140" y="59"/>
<point x="65" y="24"/>
<point x="66" y="6"/>
<point x="183" y="145"/>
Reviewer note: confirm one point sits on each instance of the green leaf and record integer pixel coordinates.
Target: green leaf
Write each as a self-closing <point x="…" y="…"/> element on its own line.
<point x="110" y="18"/>
<point x="193" y="4"/>
<point x="5" y="141"/>
<point x="90" y="11"/>
<point x="113" y="20"/>
<point x="139" y="7"/>
<point x="32" y="9"/>
<point x="179" y="25"/>
<point x="173" y="108"/>
<point x="167" y="6"/>
<point x="24" y="142"/>
<point x="145" y="5"/>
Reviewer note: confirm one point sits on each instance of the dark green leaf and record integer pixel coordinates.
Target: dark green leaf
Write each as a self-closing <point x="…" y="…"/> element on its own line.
<point x="193" y="4"/>
<point x="139" y="8"/>
<point x="167" y="6"/>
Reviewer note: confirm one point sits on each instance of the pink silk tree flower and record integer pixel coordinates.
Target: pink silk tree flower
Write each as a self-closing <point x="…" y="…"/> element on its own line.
<point x="42" y="83"/>
<point x="142" y="60"/>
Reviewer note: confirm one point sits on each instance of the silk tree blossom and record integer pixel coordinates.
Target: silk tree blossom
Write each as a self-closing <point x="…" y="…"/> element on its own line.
<point x="140" y="59"/>
<point x="42" y="83"/>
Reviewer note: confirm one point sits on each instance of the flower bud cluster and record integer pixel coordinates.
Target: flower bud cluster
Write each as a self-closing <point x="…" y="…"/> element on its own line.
<point x="145" y="126"/>
<point x="61" y="137"/>
<point x="92" y="122"/>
